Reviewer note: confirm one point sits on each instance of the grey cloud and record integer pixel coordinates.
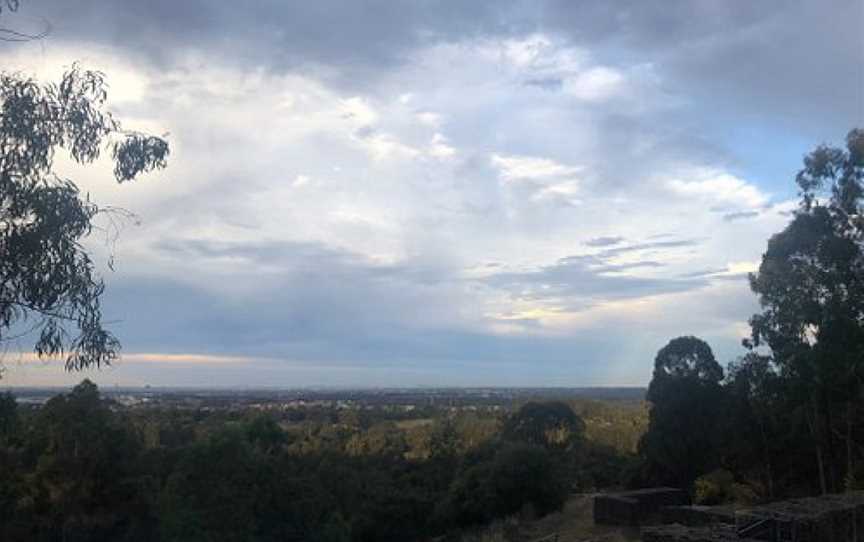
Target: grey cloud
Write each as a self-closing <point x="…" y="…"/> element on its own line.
<point x="359" y="37"/>
<point x="703" y="273"/>
<point x="604" y="241"/>
<point x="617" y="268"/>
<point x="733" y="277"/>
<point x="256" y="252"/>
<point x="649" y="24"/>
<point x="581" y="281"/>
<point x="364" y="132"/>
<point x="316" y="324"/>
<point x="742" y="54"/>
<point x="652" y="245"/>
<point x="718" y="274"/>
<point x="330" y="304"/>
<point x="547" y="83"/>
<point x="320" y="304"/>
<point x="728" y="61"/>
<point x="344" y="332"/>
<point x="740" y="215"/>
<point x="299" y="258"/>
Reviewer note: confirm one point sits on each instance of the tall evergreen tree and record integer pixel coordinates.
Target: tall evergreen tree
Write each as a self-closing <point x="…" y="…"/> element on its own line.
<point x="810" y="286"/>
<point x="686" y="404"/>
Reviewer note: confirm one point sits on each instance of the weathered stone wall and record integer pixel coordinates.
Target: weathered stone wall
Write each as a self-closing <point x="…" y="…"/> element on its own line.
<point x="829" y="518"/>
<point x="698" y="516"/>
<point x="680" y="533"/>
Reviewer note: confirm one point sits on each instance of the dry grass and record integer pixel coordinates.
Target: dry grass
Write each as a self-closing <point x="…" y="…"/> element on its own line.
<point x="405" y="425"/>
<point x="575" y="523"/>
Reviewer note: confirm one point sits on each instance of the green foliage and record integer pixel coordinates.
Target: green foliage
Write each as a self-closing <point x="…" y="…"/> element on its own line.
<point x="810" y="286"/>
<point x="720" y="487"/>
<point x="212" y="491"/>
<point x="48" y="283"/>
<point x="686" y="407"/>
<point x="714" y="488"/>
<point x="82" y="479"/>
<point x="685" y="359"/>
<point x="757" y="406"/>
<point x="517" y="476"/>
<point x="11" y="478"/>
<point x="383" y="439"/>
<point x="618" y="425"/>
<point x="265" y="434"/>
<point x="8" y="416"/>
<point x="552" y="425"/>
<point x="82" y="468"/>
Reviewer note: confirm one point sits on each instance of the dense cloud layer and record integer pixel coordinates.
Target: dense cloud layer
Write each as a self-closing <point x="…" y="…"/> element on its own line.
<point x="746" y="55"/>
<point x="447" y="192"/>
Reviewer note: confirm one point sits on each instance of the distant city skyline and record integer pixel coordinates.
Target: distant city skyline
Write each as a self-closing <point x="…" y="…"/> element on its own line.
<point x="442" y="193"/>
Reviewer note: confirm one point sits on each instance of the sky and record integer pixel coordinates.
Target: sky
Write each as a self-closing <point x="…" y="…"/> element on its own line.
<point x="441" y="193"/>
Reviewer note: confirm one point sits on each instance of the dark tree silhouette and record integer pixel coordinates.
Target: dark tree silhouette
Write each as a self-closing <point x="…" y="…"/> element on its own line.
<point x="684" y="358"/>
<point x="755" y="403"/>
<point x="810" y="285"/>
<point x="686" y="405"/>
<point x="552" y="425"/>
<point x="48" y="284"/>
<point x="86" y="483"/>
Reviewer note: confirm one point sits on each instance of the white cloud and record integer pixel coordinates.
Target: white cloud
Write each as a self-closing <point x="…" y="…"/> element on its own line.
<point x="596" y="84"/>
<point x="520" y="168"/>
<point x="546" y="62"/>
<point x="719" y="187"/>
<point x="546" y="180"/>
<point x="541" y="55"/>
<point x="429" y="118"/>
<point x="384" y="177"/>
<point x="382" y="146"/>
<point x="358" y="110"/>
<point x="440" y="148"/>
<point x="128" y="84"/>
<point x="566" y="191"/>
<point x="525" y="52"/>
<point x="742" y="267"/>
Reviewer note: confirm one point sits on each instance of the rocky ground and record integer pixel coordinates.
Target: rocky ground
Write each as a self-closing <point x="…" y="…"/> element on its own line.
<point x="575" y="523"/>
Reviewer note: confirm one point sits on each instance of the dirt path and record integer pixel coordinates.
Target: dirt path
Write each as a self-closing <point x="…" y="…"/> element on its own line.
<point x="576" y="524"/>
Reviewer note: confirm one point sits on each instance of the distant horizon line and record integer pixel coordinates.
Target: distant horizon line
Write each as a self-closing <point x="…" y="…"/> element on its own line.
<point x="322" y="387"/>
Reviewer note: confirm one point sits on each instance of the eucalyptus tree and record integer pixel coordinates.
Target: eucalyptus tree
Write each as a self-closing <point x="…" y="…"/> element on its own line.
<point x="810" y="286"/>
<point x="686" y="406"/>
<point x="49" y="287"/>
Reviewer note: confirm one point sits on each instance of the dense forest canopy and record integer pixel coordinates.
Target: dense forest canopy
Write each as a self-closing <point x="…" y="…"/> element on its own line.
<point x="83" y="468"/>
